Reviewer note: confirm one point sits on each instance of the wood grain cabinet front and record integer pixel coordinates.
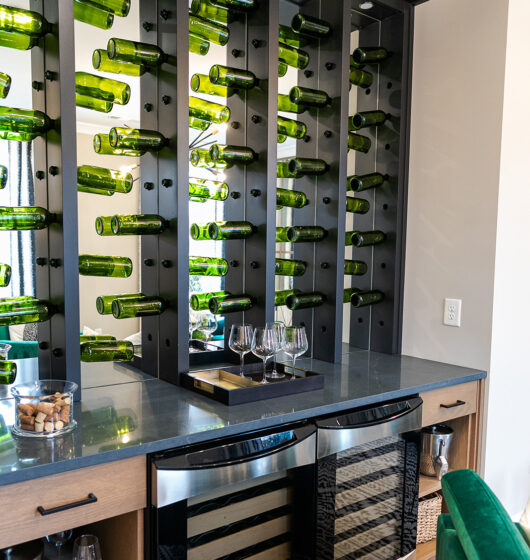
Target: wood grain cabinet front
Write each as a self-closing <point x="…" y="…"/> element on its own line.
<point x="50" y="504"/>
<point x="451" y="402"/>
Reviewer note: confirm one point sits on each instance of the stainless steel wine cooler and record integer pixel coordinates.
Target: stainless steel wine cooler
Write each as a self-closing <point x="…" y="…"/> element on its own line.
<point x="246" y="497"/>
<point x="367" y="482"/>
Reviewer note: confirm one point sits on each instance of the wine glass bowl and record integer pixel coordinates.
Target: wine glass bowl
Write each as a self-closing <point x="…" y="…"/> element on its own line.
<point x="264" y="346"/>
<point x="86" y="547"/>
<point x="240" y="342"/>
<point x="295" y="343"/>
<point x="207" y="324"/>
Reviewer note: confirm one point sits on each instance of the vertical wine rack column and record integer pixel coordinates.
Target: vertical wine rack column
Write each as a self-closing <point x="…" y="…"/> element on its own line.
<point x="55" y="160"/>
<point x="327" y="140"/>
<point x="253" y="46"/>
<point x="378" y="327"/>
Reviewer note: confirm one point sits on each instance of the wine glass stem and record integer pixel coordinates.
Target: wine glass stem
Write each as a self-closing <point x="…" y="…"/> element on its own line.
<point x="242" y="356"/>
<point x="264" y="368"/>
<point x="294" y="361"/>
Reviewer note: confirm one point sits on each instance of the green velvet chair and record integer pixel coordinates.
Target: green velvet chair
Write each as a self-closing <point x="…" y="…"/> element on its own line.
<point x="477" y="527"/>
<point x="19" y="348"/>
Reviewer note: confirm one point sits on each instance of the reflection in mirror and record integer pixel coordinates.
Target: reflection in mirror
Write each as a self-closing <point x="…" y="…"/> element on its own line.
<point x="108" y="106"/>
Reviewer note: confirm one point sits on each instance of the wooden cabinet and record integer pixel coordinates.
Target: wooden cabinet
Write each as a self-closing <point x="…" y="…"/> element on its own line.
<point x="112" y="490"/>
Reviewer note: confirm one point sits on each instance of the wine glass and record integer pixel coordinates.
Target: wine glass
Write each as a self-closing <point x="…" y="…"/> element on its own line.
<point x="193" y="321"/>
<point x="279" y="327"/>
<point x="59" y="539"/>
<point x="207" y="324"/>
<point x="86" y="547"/>
<point x="240" y="342"/>
<point x="264" y="346"/>
<point x="295" y="343"/>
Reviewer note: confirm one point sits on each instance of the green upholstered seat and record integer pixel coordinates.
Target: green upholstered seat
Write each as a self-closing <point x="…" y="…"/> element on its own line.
<point x="19" y="349"/>
<point x="478" y="520"/>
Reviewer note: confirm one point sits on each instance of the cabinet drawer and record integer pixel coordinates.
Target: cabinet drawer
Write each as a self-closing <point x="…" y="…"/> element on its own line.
<point x="449" y="402"/>
<point x="119" y="487"/>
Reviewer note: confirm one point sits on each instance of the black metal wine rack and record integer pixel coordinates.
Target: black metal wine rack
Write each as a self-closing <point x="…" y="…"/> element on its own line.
<point x="253" y="45"/>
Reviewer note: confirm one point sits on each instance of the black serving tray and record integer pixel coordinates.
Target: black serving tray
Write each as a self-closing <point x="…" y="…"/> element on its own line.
<point x="226" y="386"/>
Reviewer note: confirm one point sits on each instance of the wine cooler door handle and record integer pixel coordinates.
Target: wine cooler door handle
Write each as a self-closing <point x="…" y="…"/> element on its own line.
<point x="332" y="437"/>
<point x="89" y="500"/>
<point x="170" y="485"/>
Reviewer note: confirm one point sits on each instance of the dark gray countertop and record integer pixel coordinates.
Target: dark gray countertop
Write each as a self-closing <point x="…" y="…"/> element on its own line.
<point x="165" y="416"/>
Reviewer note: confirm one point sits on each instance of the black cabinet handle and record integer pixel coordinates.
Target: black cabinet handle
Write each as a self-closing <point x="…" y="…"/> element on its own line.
<point x="90" y="500"/>
<point x="457" y="403"/>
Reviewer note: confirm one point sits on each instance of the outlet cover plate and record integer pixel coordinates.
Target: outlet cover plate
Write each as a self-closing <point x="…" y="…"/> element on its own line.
<point x="452" y="312"/>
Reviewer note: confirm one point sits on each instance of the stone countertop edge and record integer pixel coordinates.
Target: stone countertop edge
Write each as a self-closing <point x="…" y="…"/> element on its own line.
<point x="236" y="429"/>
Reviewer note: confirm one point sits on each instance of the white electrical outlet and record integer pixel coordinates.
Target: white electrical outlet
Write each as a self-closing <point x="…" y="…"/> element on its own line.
<point x="452" y="312"/>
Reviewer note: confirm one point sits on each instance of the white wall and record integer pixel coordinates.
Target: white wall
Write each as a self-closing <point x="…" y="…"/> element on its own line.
<point x="507" y="449"/>
<point x="467" y="230"/>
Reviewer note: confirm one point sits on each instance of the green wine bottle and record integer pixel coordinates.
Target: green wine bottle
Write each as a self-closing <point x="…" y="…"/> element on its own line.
<point x="230" y="230"/>
<point x="107" y="351"/>
<point x="242" y="155"/>
<point x="206" y="189"/>
<point x="206" y="10"/>
<point x="304" y="300"/>
<point x="288" y="267"/>
<point x="5" y="275"/>
<point x="211" y="31"/>
<point x="287" y="106"/>
<point x="348" y="292"/>
<point x="282" y="170"/>
<point x="361" y="78"/>
<point x="291" y="128"/>
<point x="35" y="311"/>
<point x="122" y="50"/>
<point x="91" y="337"/>
<point x="199" y="232"/>
<point x="25" y="217"/>
<point x="309" y="97"/>
<point x="104" y="303"/>
<point x="142" y="306"/>
<point x="364" y="238"/>
<point x="354" y="64"/>
<point x="198" y="124"/>
<point x="208" y="111"/>
<point x="290" y="37"/>
<point x="232" y="77"/>
<point x="23" y="21"/>
<point x="3" y="176"/>
<point x="8" y="372"/>
<point x="94" y="179"/>
<point x="137" y="139"/>
<point x="138" y="224"/>
<point x="282" y="69"/>
<point x="358" y="183"/>
<point x="91" y="103"/>
<point x="359" y="143"/>
<point x="310" y="26"/>
<point x="17" y="41"/>
<point x="280" y="138"/>
<point x="208" y="266"/>
<point x="360" y="299"/>
<point x="355" y="268"/>
<point x="199" y="302"/>
<point x="102" y="62"/>
<point x="5" y="84"/>
<point x="6" y="304"/>
<point x="365" y="119"/>
<point x="297" y="58"/>
<point x="86" y="12"/>
<point x="198" y="45"/>
<point x="298" y="234"/>
<point x="104" y="225"/>
<point x="24" y="121"/>
<point x="369" y="55"/>
<point x="357" y="205"/>
<point x="298" y="167"/>
<point x="235" y="5"/>
<point x="202" y="158"/>
<point x="281" y="235"/>
<point x="230" y="304"/>
<point x="117" y="7"/>
<point x="102" y="146"/>
<point x="102" y="88"/>
<point x="280" y="297"/>
<point x="99" y="265"/>
<point x="292" y="199"/>
<point x="200" y="83"/>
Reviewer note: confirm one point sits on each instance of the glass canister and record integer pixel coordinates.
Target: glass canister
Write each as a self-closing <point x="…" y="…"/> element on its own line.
<point x="44" y="408"/>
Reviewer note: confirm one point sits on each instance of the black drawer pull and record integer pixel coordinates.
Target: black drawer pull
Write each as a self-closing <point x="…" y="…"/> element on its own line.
<point x="90" y="500"/>
<point x="457" y="403"/>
